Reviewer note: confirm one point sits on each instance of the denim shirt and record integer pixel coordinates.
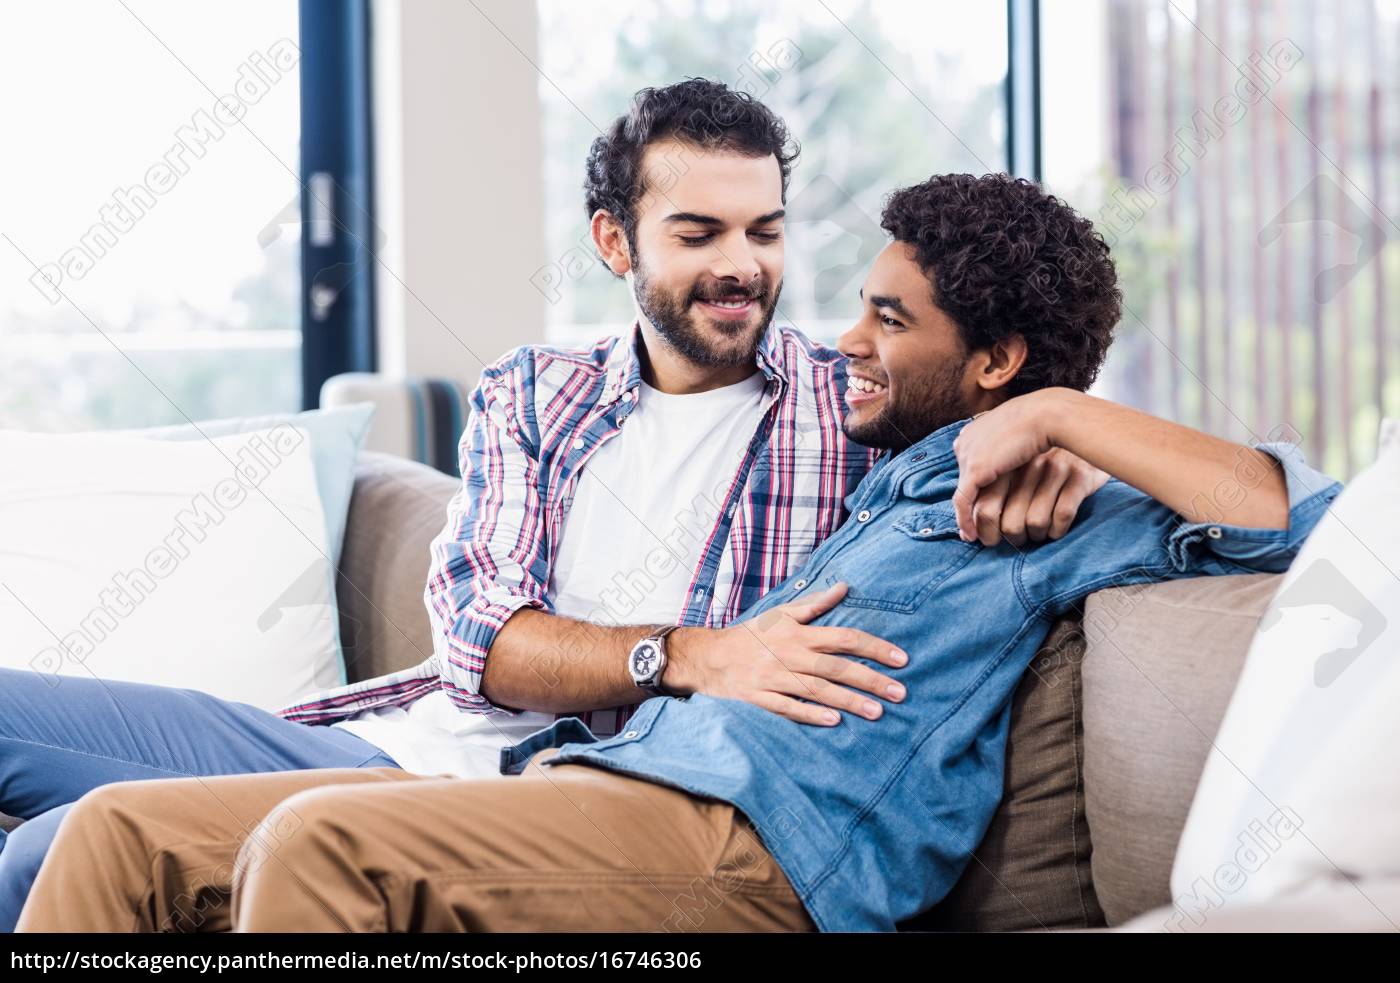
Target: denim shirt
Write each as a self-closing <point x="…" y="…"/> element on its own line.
<point x="874" y="821"/>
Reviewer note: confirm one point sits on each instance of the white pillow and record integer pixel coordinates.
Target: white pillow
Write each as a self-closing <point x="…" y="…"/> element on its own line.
<point x="1302" y="784"/>
<point x="337" y="434"/>
<point x="199" y="564"/>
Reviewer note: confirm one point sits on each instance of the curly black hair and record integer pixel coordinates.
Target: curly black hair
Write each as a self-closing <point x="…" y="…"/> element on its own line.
<point x="1005" y="257"/>
<point x="697" y="111"/>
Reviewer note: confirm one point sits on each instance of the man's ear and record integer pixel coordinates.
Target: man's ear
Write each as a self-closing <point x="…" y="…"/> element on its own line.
<point x="611" y="241"/>
<point x="998" y="365"/>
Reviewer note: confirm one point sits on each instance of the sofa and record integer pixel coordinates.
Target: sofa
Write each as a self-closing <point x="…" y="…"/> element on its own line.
<point x="1109" y="731"/>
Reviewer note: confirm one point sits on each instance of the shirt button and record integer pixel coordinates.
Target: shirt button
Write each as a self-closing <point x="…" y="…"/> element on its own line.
<point x="578" y="443"/>
<point x="1214" y="532"/>
<point x="863" y="515"/>
<point x="926" y="530"/>
<point x="918" y="457"/>
<point x="627" y="396"/>
<point x="629" y="735"/>
<point x="800" y="584"/>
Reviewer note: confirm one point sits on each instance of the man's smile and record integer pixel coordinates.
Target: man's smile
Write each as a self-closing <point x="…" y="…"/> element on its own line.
<point x="861" y="391"/>
<point x="730" y="309"/>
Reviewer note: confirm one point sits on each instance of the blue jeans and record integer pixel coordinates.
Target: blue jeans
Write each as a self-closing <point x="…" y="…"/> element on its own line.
<point x="61" y="736"/>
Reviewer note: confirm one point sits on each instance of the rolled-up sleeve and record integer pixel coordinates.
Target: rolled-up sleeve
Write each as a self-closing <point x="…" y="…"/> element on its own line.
<point x="491" y="558"/>
<point x="1310" y="492"/>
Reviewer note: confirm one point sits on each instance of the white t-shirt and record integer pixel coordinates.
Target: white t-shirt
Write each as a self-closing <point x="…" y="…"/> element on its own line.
<point x="644" y="505"/>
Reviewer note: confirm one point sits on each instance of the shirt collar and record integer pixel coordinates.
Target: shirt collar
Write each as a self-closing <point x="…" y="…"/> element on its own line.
<point x="934" y="451"/>
<point x="624" y="366"/>
<point x="928" y="460"/>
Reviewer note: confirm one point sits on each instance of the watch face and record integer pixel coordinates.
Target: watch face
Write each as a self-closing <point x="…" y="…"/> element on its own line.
<point x="644" y="660"/>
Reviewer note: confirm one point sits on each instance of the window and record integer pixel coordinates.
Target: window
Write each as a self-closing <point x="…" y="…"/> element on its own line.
<point x="150" y="262"/>
<point x="879" y="95"/>
<point x="1242" y="159"/>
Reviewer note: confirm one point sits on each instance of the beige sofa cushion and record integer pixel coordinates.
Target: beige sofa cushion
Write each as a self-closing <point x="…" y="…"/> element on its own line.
<point x="397" y="509"/>
<point x="1031" y="870"/>
<point x="1161" y="664"/>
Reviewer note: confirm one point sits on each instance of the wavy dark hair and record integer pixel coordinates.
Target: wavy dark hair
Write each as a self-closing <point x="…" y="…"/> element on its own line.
<point x="1004" y="257"/>
<point x="706" y="114"/>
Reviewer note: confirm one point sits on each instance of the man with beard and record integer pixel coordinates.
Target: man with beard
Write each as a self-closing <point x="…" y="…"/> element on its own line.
<point x="711" y="813"/>
<point x="609" y="494"/>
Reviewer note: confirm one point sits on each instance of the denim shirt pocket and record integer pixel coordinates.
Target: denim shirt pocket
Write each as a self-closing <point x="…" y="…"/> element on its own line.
<point x="918" y="551"/>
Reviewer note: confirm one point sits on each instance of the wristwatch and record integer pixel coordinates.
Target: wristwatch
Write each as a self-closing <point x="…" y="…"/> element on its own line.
<point x="647" y="661"/>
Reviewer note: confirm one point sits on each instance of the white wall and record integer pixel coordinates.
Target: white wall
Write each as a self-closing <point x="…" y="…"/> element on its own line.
<point x="457" y="184"/>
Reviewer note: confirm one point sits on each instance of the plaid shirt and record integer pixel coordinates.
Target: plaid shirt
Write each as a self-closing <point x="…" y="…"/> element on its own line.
<point x="537" y="416"/>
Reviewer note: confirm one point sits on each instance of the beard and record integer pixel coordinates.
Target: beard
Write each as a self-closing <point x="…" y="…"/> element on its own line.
<point x="922" y="404"/>
<point x="672" y="315"/>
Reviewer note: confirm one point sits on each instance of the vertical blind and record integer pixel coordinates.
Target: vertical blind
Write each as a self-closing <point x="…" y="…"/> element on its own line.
<point x="1254" y="147"/>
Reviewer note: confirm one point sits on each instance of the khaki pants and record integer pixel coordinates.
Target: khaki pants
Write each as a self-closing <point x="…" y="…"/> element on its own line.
<point x="566" y="848"/>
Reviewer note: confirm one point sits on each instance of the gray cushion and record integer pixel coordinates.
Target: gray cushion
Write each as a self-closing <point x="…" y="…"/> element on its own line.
<point x="1031" y="870"/>
<point x="1161" y="664"/>
<point x="397" y="509"/>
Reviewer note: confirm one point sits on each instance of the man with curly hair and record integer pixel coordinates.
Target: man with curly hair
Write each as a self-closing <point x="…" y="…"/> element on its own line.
<point x="983" y="321"/>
